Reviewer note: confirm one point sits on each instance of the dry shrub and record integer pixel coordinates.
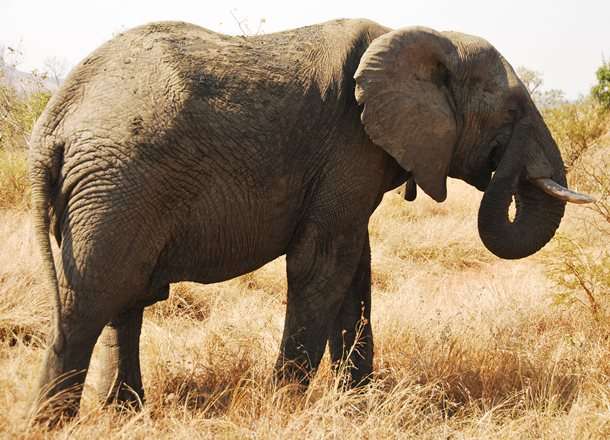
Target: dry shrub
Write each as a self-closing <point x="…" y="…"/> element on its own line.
<point x="20" y="107"/>
<point x="577" y="127"/>
<point x="582" y="276"/>
<point x="14" y="183"/>
<point x="580" y="261"/>
<point x="19" y="110"/>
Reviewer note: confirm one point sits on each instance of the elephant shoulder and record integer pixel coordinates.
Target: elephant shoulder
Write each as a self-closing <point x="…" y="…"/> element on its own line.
<point x="343" y="42"/>
<point x="353" y="28"/>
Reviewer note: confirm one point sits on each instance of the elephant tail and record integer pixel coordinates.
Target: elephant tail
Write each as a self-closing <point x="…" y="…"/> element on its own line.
<point x="45" y="162"/>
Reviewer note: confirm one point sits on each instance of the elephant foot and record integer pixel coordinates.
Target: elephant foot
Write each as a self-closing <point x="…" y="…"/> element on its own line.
<point x="59" y="403"/>
<point x="294" y="373"/>
<point x="63" y="375"/>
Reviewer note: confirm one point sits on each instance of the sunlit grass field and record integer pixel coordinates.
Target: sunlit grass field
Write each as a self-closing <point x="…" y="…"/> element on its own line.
<point x="466" y="345"/>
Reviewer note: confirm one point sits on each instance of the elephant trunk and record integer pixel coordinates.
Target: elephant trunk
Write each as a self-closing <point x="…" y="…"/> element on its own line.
<point x="531" y="171"/>
<point x="537" y="217"/>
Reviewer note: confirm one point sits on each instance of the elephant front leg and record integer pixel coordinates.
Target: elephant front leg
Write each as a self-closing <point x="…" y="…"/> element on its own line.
<point x="118" y="378"/>
<point x="320" y="268"/>
<point x="351" y="336"/>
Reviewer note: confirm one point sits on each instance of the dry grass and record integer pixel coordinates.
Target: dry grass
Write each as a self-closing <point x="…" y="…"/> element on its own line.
<point x="14" y="184"/>
<point x="467" y="346"/>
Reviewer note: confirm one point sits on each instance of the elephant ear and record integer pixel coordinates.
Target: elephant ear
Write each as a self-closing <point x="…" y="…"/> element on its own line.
<point x="402" y="81"/>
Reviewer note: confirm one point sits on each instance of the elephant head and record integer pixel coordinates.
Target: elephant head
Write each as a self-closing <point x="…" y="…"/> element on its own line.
<point x="448" y="104"/>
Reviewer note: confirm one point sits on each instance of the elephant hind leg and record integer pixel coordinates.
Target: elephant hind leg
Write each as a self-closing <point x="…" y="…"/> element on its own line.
<point x="118" y="377"/>
<point x="67" y="358"/>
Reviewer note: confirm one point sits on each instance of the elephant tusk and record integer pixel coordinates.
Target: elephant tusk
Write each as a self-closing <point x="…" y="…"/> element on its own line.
<point x="554" y="189"/>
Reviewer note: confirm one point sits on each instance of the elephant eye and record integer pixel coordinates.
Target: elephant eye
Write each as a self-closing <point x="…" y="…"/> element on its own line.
<point x="514" y="114"/>
<point x="495" y="155"/>
<point x="498" y="145"/>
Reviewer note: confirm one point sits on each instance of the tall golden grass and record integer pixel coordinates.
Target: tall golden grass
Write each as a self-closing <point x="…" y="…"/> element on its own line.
<point x="14" y="185"/>
<point x="467" y="345"/>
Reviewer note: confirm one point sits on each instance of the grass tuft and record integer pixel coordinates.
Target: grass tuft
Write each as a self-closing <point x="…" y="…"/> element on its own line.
<point x="14" y="183"/>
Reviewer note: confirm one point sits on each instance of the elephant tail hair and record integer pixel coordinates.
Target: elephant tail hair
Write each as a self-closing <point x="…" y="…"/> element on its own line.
<point x="45" y="167"/>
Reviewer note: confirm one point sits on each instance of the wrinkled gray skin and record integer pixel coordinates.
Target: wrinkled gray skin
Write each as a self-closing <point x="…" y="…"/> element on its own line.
<point x="175" y="153"/>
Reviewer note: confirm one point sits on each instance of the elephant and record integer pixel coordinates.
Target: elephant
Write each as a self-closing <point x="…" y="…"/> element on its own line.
<point x="175" y="153"/>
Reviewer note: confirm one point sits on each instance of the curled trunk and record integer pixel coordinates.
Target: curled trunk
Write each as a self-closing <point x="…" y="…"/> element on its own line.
<point x="538" y="214"/>
<point x="537" y="217"/>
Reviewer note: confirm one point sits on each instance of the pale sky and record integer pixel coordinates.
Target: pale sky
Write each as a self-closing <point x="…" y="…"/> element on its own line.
<point x="563" y="39"/>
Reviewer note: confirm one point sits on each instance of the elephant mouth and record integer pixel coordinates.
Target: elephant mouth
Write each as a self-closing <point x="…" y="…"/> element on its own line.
<point x="482" y="179"/>
<point x="495" y="155"/>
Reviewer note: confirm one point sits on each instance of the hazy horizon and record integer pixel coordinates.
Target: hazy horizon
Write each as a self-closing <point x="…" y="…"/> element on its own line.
<point x="563" y="40"/>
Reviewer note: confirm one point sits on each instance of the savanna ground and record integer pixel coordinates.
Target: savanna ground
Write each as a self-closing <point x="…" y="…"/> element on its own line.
<point x="467" y="345"/>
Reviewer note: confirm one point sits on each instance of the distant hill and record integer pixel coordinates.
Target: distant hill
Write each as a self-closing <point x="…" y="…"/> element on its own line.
<point x="24" y="82"/>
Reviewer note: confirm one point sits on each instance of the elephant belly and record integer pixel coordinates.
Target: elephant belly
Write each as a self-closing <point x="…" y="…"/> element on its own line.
<point x="209" y="247"/>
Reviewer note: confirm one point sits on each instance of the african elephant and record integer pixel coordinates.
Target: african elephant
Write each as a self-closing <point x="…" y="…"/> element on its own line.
<point x="176" y="153"/>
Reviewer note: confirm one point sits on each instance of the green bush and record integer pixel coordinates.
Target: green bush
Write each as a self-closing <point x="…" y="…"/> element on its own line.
<point x="601" y="92"/>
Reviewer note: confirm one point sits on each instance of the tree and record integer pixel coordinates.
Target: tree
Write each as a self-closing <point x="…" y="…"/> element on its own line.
<point x="532" y="80"/>
<point x="601" y="92"/>
<point x="56" y="69"/>
<point x="543" y="99"/>
<point x="244" y="27"/>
